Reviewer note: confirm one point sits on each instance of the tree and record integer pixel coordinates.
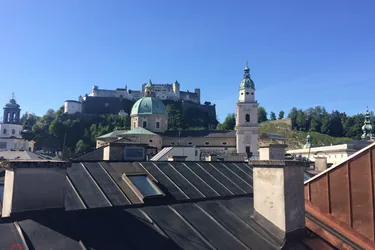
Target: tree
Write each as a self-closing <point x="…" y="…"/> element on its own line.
<point x="301" y="120"/>
<point x="175" y="117"/>
<point x="262" y="114"/>
<point x="82" y="147"/>
<point x="293" y="116"/>
<point x="281" y="115"/>
<point x="228" y="124"/>
<point x="272" y="116"/>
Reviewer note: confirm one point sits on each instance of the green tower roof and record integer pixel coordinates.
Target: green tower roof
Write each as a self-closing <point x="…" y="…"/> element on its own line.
<point x="246" y="81"/>
<point x="149" y="106"/>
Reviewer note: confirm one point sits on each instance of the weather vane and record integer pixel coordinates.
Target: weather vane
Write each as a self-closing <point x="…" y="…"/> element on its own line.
<point x="247" y="63"/>
<point x="13" y="96"/>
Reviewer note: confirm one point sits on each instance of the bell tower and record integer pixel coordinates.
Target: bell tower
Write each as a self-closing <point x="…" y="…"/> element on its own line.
<point x="12" y="112"/>
<point x="247" y="117"/>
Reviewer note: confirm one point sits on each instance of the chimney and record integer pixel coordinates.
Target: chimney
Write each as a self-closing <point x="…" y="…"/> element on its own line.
<point x="33" y="185"/>
<point x="279" y="205"/>
<point x="272" y="152"/>
<point x="320" y="163"/>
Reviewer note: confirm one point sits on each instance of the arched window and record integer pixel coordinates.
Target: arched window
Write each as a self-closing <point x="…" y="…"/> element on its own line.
<point x="157" y="124"/>
<point x="144" y="124"/>
<point x="134" y="124"/>
<point x="247" y="118"/>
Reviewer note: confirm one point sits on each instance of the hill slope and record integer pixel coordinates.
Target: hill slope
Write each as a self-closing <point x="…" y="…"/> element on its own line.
<point x="296" y="139"/>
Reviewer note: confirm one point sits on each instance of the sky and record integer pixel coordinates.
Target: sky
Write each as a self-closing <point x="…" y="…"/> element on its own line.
<point x="301" y="53"/>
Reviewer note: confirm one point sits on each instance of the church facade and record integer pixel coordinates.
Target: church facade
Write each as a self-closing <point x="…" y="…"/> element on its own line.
<point x="11" y="129"/>
<point x="149" y="125"/>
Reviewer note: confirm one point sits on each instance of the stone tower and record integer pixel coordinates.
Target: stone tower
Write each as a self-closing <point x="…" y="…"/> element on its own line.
<point x="367" y="127"/>
<point x="12" y="112"/>
<point x="247" y="117"/>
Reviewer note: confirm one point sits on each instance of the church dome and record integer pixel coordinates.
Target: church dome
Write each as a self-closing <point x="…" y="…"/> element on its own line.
<point x="247" y="83"/>
<point x="148" y="106"/>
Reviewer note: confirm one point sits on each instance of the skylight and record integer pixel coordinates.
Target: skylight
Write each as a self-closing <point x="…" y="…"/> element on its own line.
<point x="144" y="185"/>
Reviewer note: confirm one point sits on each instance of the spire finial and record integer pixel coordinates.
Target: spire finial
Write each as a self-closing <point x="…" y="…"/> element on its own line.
<point x="13" y="96"/>
<point x="247" y="63"/>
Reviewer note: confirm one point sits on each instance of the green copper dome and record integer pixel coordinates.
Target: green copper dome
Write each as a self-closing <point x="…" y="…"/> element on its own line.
<point x="246" y="81"/>
<point x="149" y="106"/>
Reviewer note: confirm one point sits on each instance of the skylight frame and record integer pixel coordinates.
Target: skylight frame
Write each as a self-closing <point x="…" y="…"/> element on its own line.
<point x="137" y="190"/>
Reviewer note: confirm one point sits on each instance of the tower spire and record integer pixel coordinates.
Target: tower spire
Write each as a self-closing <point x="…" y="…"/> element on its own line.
<point x="367" y="127"/>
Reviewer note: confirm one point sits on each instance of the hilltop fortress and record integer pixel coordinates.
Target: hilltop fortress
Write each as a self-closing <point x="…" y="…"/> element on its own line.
<point x="120" y="100"/>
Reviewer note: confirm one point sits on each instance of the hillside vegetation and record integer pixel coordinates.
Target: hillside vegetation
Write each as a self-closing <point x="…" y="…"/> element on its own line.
<point x="296" y="139"/>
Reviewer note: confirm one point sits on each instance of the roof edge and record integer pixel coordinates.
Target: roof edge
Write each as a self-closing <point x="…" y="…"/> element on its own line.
<point x="340" y="163"/>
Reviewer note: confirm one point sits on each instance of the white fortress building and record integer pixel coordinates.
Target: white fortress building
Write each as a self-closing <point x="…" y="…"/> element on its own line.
<point x="162" y="92"/>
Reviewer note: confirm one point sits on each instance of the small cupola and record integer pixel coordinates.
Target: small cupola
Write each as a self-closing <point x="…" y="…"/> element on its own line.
<point x="27" y="132"/>
<point x="246" y="81"/>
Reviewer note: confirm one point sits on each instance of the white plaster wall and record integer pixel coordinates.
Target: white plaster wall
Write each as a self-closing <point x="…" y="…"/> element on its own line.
<point x="72" y="107"/>
<point x="16" y="144"/>
<point x="269" y="194"/>
<point x="11" y="130"/>
<point x="246" y="95"/>
<point x="191" y="153"/>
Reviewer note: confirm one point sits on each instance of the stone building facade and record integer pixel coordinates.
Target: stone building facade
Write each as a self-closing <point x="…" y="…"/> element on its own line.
<point x="149" y="120"/>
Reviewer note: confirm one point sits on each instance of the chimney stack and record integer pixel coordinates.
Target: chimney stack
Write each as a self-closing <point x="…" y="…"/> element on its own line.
<point x="279" y="204"/>
<point x="33" y="185"/>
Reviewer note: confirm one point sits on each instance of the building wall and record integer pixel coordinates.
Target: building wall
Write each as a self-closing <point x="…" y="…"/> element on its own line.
<point x="72" y="107"/>
<point x="151" y="140"/>
<point x="334" y="153"/>
<point x="10" y="130"/>
<point x="208" y="142"/>
<point x="16" y="144"/>
<point x="151" y="122"/>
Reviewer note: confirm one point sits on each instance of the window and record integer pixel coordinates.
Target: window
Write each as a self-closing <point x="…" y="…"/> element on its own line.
<point x="134" y="124"/>
<point x="150" y="140"/>
<point x="252" y="93"/>
<point x="206" y="143"/>
<point x="247" y="118"/>
<point x="190" y="143"/>
<point x="144" y="124"/>
<point x="144" y="185"/>
<point x="241" y="93"/>
<point x="247" y="93"/>
<point x="247" y="149"/>
<point x="172" y="143"/>
<point x="224" y="143"/>
<point x="4" y="131"/>
<point x="196" y="152"/>
<point x="13" y="131"/>
<point x="157" y="124"/>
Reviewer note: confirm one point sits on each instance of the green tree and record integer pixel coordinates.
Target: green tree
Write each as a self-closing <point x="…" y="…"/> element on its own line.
<point x="175" y="117"/>
<point x="262" y="114"/>
<point x="82" y="147"/>
<point x="301" y="120"/>
<point x="272" y="116"/>
<point x="228" y="124"/>
<point x="293" y="116"/>
<point x="281" y="115"/>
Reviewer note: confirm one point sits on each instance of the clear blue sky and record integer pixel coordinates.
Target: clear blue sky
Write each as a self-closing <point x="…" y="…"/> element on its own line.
<point x="301" y="53"/>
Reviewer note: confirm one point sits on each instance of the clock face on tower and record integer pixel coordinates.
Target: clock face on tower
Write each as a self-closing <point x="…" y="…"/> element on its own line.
<point x="247" y="139"/>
